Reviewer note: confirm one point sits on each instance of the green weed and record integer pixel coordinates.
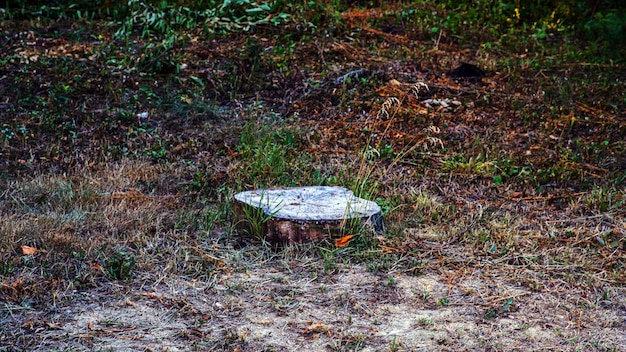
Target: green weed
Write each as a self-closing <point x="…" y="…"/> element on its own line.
<point x="255" y="218"/>
<point x="472" y="165"/>
<point x="603" y="199"/>
<point x="119" y="265"/>
<point x="425" y="322"/>
<point x="269" y="155"/>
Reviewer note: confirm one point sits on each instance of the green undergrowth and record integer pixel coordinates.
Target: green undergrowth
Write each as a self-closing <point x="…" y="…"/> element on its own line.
<point x="270" y="154"/>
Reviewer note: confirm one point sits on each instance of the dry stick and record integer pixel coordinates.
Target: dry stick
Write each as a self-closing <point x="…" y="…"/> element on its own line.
<point x="504" y="299"/>
<point x="588" y="108"/>
<point x="201" y="251"/>
<point x="581" y="219"/>
<point x="205" y="255"/>
<point x="550" y="197"/>
<point x="134" y="194"/>
<point x="392" y="37"/>
<point x="589" y="64"/>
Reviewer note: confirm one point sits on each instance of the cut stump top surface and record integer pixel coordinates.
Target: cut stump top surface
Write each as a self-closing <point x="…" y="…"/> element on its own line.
<point x="314" y="203"/>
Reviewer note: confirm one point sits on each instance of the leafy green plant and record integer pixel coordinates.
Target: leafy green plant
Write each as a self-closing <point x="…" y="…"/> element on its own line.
<point x="120" y="265"/>
<point x="162" y="17"/>
<point x="608" y="26"/>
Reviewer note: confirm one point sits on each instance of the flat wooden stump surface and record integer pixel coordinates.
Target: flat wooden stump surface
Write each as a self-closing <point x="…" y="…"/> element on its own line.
<point x="301" y="214"/>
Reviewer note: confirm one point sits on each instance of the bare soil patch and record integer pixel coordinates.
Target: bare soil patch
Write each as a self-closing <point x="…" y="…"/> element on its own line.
<point x="286" y="307"/>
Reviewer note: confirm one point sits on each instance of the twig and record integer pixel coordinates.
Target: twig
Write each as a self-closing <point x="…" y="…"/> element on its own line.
<point x="133" y="194"/>
<point x="349" y="75"/>
<point x="391" y="37"/>
<point x="195" y="246"/>
<point x="504" y="299"/>
<point x="588" y="64"/>
<point x="581" y="219"/>
<point x="550" y="197"/>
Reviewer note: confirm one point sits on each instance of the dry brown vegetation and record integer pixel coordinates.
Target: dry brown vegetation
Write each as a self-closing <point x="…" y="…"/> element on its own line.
<point x="506" y="226"/>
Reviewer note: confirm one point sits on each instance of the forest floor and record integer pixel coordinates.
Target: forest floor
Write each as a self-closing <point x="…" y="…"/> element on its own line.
<point x="503" y="192"/>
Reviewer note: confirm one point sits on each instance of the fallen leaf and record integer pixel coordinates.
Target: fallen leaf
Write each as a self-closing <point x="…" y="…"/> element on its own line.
<point x="26" y="250"/>
<point x="97" y="266"/>
<point x="319" y="327"/>
<point x="53" y="326"/>
<point x="343" y="241"/>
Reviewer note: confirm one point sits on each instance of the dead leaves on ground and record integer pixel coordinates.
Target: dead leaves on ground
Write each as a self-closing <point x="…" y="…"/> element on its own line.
<point x="27" y="250"/>
<point x="318" y="328"/>
<point x="344" y="241"/>
<point x="39" y="326"/>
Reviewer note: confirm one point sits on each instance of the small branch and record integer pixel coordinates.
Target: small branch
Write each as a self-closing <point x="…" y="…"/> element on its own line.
<point x="349" y="75"/>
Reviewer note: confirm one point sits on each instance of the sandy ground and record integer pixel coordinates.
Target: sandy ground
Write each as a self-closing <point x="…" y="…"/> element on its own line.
<point x="292" y="306"/>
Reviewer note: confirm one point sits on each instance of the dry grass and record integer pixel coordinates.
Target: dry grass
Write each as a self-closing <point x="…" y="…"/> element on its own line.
<point x="451" y="271"/>
<point x="131" y="248"/>
<point x="506" y="226"/>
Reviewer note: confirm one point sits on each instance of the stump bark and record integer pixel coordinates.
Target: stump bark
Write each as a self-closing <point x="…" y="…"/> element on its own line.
<point x="303" y="214"/>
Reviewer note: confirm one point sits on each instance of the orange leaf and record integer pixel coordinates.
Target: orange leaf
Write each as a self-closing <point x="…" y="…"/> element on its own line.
<point x="343" y="241"/>
<point x="317" y="328"/>
<point x="97" y="266"/>
<point x="26" y="250"/>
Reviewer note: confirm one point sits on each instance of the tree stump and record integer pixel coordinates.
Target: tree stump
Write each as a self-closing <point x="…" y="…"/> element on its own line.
<point x="303" y="214"/>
